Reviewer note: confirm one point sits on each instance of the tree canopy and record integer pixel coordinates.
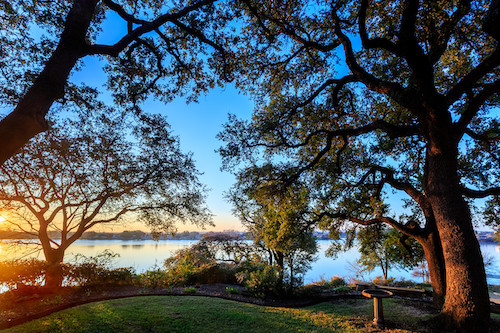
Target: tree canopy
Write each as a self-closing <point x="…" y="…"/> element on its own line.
<point x="362" y="98"/>
<point x="100" y="169"/>
<point x="278" y="223"/>
<point x="148" y="48"/>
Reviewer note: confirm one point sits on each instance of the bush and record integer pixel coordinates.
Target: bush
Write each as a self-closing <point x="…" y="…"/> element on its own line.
<point x="91" y="271"/>
<point x="154" y="278"/>
<point x="89" y="274"/>
<point x="22" y="272"/>
<point x="264" y="280"/>
<point x="336" y="282"/>
<point x="190" y="290"/>
<point x="232" y="290"/>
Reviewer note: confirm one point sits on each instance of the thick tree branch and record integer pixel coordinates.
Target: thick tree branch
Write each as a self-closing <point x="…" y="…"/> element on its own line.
<point x="478" y="194"/>
<point x="412" y="230"/>
<point x="409" y="189"/>
<point x="115" y="49"/>
<point x="404" y="97"/>
<point x="473" y="77"/>
<point x="117" y="8"/>
<point x="28" y="118"/>
<point x="490" y="25"/>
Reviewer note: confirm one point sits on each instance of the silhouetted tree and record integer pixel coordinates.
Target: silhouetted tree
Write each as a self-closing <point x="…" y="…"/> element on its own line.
<point x="98" y="169"/>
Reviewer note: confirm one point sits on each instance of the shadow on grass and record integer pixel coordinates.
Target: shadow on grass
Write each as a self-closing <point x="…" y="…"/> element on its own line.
<point x="202" y="314"/>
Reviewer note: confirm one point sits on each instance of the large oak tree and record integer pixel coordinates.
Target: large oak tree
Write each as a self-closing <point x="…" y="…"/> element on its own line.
<point x="98" y="169"/>
<point x="357" y="97"/>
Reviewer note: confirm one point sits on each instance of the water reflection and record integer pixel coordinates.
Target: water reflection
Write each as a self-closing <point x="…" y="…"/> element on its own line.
<point x="143" y="255"/>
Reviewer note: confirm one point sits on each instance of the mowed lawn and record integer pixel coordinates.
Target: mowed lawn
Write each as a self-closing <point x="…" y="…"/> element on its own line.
<point x="204" y="314"/>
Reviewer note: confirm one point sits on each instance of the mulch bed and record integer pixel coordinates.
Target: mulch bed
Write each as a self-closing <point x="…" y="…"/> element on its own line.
<point x="17" y="308"/>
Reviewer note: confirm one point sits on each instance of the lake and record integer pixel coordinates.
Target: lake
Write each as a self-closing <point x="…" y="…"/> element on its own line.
<point x="144" y="254"/>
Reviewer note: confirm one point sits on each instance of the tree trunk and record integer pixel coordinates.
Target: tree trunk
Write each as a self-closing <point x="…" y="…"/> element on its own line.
<point x="435" y="261"/>
<point x="54" y="273"/>
<point x="466" y="307"/>
<point x="28" y="118"/>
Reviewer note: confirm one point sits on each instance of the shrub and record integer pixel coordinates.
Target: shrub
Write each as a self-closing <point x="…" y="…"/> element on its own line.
<point x="232" y="290"/>
<point x="154" y="278"/>
<point x="336" y="282"/>
<point x="341" y="289"/>
<point x="191" y="290"/>
<point x="22" y="272"/>
<point x="89" y="274"/>
<point x="263" y="281"/>
<point x="90" y="271"/>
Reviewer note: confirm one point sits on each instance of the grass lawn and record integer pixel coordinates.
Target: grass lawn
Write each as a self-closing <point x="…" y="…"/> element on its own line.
<point x="203" y="314"/>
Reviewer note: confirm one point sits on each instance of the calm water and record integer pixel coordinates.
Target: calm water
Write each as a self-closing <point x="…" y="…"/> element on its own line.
<point x="143" y="255"/>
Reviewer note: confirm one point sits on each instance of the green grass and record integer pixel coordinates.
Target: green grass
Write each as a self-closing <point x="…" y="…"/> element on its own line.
<point x="202" y="314"/>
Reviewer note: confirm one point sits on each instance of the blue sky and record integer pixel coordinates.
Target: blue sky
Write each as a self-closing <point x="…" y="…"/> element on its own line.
<point x="197" y="125"/>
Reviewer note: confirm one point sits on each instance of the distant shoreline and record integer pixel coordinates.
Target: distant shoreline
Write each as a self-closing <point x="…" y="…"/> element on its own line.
<point x="137" y="235"/>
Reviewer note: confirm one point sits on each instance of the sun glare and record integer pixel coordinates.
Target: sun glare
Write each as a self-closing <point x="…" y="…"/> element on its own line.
<point x="2" y="219"/>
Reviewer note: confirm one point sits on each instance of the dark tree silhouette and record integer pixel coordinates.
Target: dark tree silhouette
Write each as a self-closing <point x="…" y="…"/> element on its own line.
<point x="95" y="170"/>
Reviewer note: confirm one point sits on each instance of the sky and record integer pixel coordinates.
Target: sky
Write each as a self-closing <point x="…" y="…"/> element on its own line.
<point x="197" y="125"/>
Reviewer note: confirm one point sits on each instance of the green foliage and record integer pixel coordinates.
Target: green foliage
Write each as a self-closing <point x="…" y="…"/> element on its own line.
<point x="196" y="265"/>
<point x="232" y="290"/>
<point x="92" y="271"/>
<point x="190" y="290"/>
<point x="341" y="289"/>
<point x="154" y="278"/>
<point x="263" y="280"/>
<point x="383" y="248"/>
<point x="278" y="222"/>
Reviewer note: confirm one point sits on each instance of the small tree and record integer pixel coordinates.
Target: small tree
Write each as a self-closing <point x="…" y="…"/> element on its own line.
<point x="278" y="224"/>
<point x="98" y="170"/>
<point x="387" y="248"/>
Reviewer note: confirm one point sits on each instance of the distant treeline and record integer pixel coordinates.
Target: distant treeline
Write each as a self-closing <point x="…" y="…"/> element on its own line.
<point x="483" y="236"/>
<point x="136" y="235"/>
